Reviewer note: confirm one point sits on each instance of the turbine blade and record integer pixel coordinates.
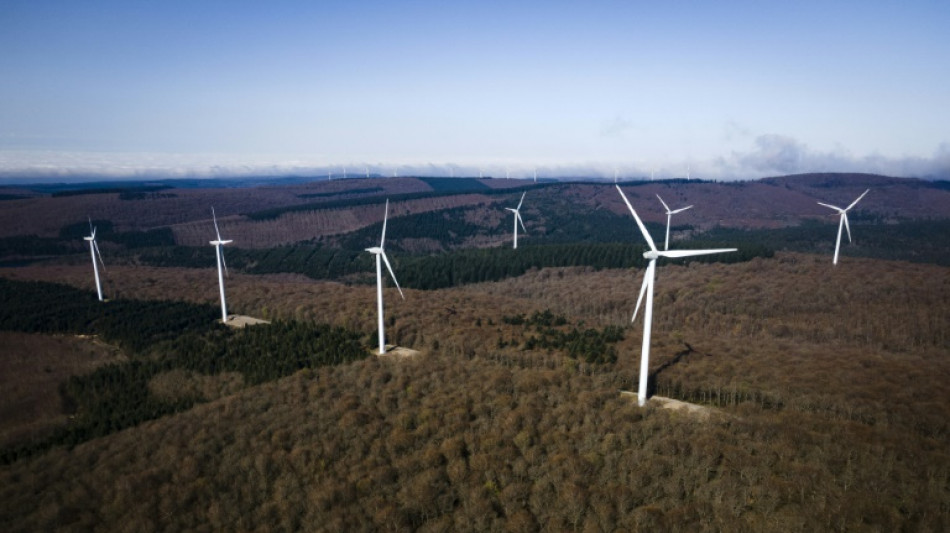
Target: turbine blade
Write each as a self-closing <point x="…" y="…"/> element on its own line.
<point x="522" y="200"/>
<point x="518" y="216"/>
<point x="846" y="226"/>
<point x="643" y="290"/>
<point x="664" y="204"/>
<point x="92" y="230"/>
<point x="680" y="210"/>
<point x="390" y="268"/>
<point x="215" y="219"/>
<point x="689" y="253"/>
<point x="836" y="208"/>
<point x="858" y="200"/>
<point x="223" y="262"/>
<point x="643" y="229"/>
<point x="382" y="239"/>
<point x="99" y="254"/>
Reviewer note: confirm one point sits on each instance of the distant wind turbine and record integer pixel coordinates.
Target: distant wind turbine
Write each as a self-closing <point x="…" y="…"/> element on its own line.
<point x="843" y="222"/>
<point x="669" y="215"/>
<point x="94" y="251"/>
<point x="517" y="212"/>
<point x="535" y="175"/>
<point x="687" y="172"/>
<point x="219" y="252"/>
<point x="380" y="254"/>
<point x="647" y="288"/>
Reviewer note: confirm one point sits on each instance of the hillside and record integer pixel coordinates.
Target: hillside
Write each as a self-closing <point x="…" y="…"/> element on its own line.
<point x="827" y="384"/>
<point x="836" y="415"/>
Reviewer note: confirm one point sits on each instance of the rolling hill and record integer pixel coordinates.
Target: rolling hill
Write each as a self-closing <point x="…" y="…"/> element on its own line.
<point x="827" y="384"/>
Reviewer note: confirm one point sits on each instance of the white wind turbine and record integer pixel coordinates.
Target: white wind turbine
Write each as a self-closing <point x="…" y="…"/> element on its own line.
<point x="647" y="288"/>
<point x="517" y="212"/>
<point x="380" y="254"/>
<point x="669" y="215"/>
<point x="94" y="251"/>
<point x="843" y="222"/>
<point x="221" y="264"/>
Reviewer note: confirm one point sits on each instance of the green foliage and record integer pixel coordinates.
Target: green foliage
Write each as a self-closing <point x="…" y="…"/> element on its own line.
<point x="105" y="231"/>
<point x="32" y="246"/>
<point x="591" y="345"/>
<point x="7" y="196"/>
<point x="346" y="192"/>
<point x="444" y="185"/>
<point x="134" y="192"/>
<point x="922" y="241"/>
<point x="175" y="335"/>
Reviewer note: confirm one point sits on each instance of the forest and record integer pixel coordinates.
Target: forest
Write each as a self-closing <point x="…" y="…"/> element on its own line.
<point x="817" y="397"/>
<point x="163" y="336"/>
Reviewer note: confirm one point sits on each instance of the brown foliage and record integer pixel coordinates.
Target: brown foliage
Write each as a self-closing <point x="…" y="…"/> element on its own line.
<point x="832" y="380"/>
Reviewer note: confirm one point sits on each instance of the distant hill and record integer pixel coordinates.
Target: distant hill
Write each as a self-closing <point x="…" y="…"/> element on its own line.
<point x="435" y="215"/>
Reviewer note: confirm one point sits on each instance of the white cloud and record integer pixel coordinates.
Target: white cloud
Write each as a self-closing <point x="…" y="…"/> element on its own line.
<point x="767" y="155"/>
<point x="615" y="127"/>
<point x="778" y="154"/>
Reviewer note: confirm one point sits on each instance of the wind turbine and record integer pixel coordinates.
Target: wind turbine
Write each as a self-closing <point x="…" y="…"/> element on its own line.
<point x="669" y="215"/>
<point x="843" y="222"/>
<point x="221" y="263"/>
<point x="517" y="212"/>
<point x="380" y="258"/>
<point x="94" y="251"/>
<point x="535" y="175"/>
<point x="647" y="288"/>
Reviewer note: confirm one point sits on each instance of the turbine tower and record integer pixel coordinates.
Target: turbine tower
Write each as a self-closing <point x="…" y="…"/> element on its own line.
<point x="647" y="288"/>
<point x="94" y="251"/>
<point x="380" y="254"/>
<point x="517" y="212"/>
<point x="221" y="263"/>
<point x="669" y="215"/>
<point x="843" y="222"/>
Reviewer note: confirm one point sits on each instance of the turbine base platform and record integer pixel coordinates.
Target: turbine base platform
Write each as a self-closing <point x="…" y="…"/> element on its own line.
<point x="699" y="411"/>
<point x="397" y="352"/>
<point x="241" y="321"/>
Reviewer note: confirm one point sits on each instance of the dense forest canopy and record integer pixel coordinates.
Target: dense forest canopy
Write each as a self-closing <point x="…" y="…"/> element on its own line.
<point x="817" y="392"/>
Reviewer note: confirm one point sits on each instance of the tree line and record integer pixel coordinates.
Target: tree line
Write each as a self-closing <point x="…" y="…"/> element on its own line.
<point x="161" y="336"/>
<point x="552" y="332"/>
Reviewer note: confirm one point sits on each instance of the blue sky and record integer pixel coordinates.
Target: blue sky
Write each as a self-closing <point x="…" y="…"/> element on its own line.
<point x="727" y="89"/>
